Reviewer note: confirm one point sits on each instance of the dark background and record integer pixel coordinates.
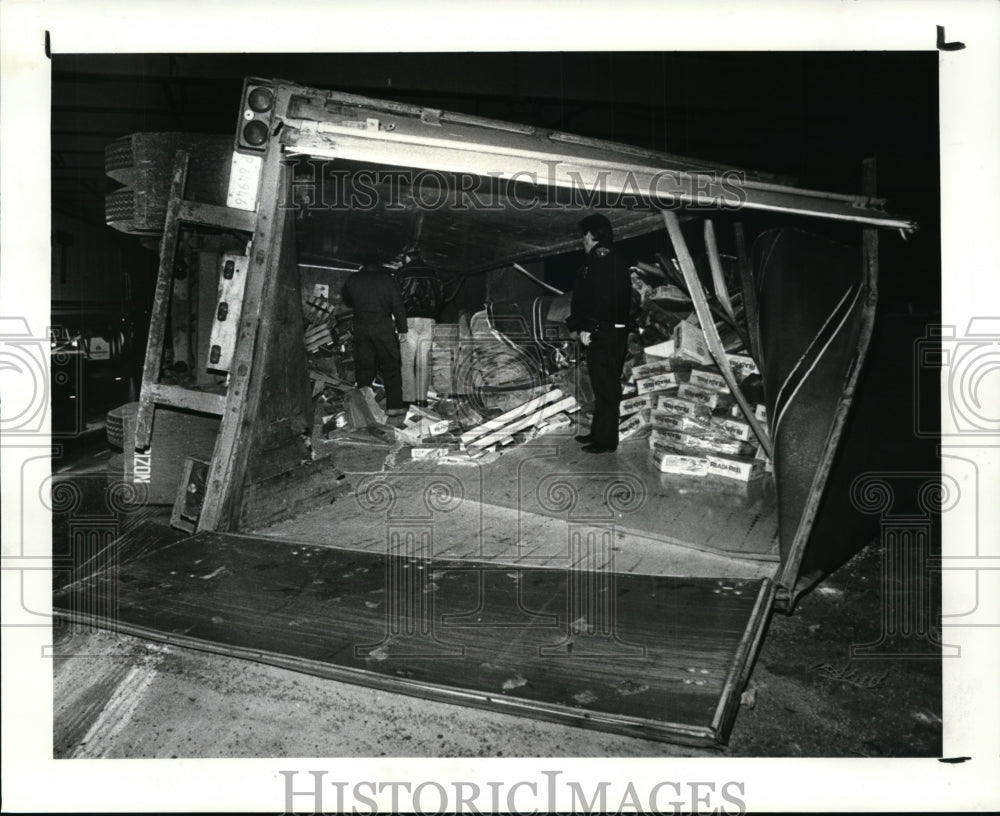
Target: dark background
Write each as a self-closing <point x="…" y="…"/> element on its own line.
<point x="812" y="117"/>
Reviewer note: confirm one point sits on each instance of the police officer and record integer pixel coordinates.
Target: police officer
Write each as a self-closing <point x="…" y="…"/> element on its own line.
<point x="379" y="328"/>
<point x="599" y="312"/>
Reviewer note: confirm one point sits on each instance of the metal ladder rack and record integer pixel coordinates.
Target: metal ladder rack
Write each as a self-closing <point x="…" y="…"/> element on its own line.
<point x="153" y="392"/>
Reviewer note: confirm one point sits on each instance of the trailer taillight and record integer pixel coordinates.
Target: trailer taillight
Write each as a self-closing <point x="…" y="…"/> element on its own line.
<point x="260" y="100"/>
<point x="256" y="115"/>
<point x="255" y="133"/>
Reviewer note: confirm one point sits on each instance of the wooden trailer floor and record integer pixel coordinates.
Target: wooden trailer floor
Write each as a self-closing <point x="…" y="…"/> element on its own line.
<point x="522" y="507"/>
<point x="657" y="657"/>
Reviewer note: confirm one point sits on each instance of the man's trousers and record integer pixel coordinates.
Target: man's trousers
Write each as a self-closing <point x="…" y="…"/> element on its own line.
<point x="605" y="358"/>
<point x="376" y="348"/>
<point x="416" y="353"/>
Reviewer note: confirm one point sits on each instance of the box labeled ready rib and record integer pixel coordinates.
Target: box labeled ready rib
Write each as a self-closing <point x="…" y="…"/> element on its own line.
<point x="741" y="468"/>
<point x="680" y="464"/>
<point x="633" y="404"/>
<point x="634" y="426"/>
<point x="666" y="421"/>
<point x="659" y="382"/>
<point x="742" y="366"/>
<point x="700" y="395"/>
<point x="709" y="380"/>
<point x="640" y="372"/>
<point x="705" y="441"/>
<point x="684" y="407"/>
<point x="416" y="454"/>
<point x="738" y="428"/>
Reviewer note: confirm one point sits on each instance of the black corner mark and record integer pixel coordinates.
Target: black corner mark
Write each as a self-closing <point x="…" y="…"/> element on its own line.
<point x="954" y="760"/>
<point x="947" y="46"/>
<point x="48" y="45"/>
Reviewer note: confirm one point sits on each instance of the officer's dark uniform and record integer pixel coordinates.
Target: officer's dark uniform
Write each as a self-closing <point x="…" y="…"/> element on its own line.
<point x="601" y="304"/>
<point x="379" y="314"/>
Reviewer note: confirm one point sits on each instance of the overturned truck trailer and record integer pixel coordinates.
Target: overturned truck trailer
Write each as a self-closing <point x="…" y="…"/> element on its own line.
<point x="270" y="564"/>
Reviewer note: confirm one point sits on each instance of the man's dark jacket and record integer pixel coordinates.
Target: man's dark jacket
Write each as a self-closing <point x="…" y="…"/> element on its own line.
<point x="374" y="295"/>
<point x="602" y="294"/>
<point x="421" y="288"/>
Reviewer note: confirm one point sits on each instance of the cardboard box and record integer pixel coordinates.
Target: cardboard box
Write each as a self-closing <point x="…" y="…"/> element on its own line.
<point x="702" y="396"/>
<point x="737" y="428"/>
<point x="740" y="468"/>
<point x="668" y="292"/>
<point x="422" y="428"/>
<point x="653" y="369"/>
<point x="742" y="366"/>
<point x="557" y="423"/>
<point x="763" y="457"/>
<point x="664" y="349"/>
<point x="666" y="421"/>
<point x="417" y="454"/>
<point x="708" y="442"/>
<point x="761" y="413"/>
<point x="684" y="407"/>
<point x="690" y="344"/>
<point x="659" y="382"/>
<point x="633" y="404"/>
<point x="680" y="464"/>
<point x="634" y="427"/>
<point x="709" y="380"/>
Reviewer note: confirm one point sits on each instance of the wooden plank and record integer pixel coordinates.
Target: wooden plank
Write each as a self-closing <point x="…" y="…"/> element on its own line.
<point x="180" y="397"/>
<point x="269" y="388"/>
<point x="708" y="325"/>
<point x="158" y="316"/>
<point x="718" y="277"/>
<point x="291" y="493"/>
<point x="565" y="404"/>
<point x="655" y="662"/>
<point x="195" y="212"/>
<point x="749" y="293"/>
<point x="501" y="421"/>
<point x="226" y="477"/>
<point x="208" y="296"/>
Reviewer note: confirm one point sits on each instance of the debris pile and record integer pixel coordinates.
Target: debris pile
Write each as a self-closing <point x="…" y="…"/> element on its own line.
<point x="487" y="391"/>
<point x="490" y="392"/>
<point x="677" y="397"/>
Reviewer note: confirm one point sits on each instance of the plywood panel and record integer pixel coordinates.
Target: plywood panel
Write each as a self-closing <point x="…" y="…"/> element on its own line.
<point x="655" y="657"/>
<point x="552" y="476"/>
